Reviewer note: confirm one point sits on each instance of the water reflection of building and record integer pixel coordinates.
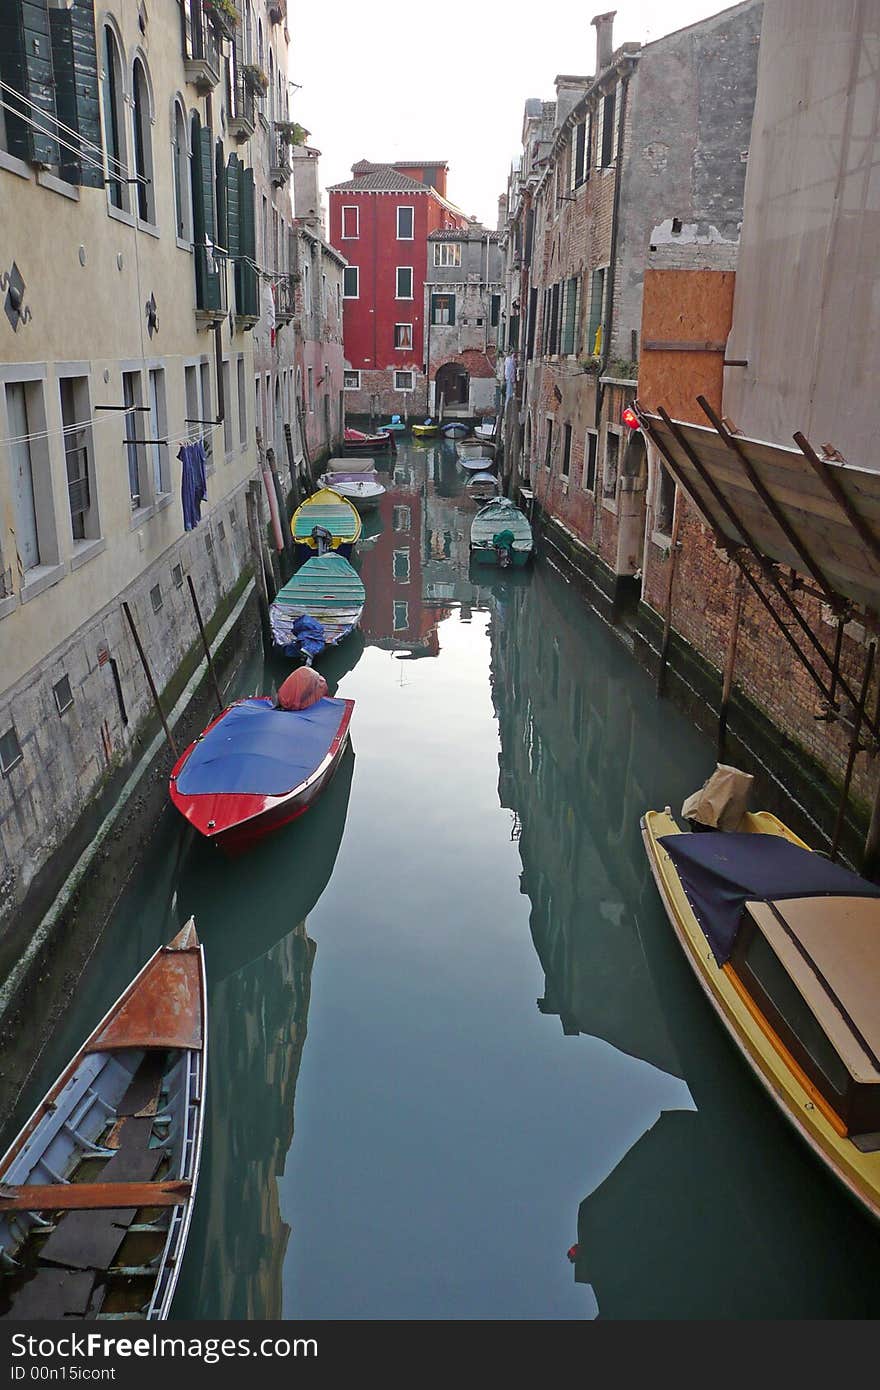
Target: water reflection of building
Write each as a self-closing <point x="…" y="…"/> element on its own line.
<point x="256" y="1054"/>
<point x="567" y="774"/>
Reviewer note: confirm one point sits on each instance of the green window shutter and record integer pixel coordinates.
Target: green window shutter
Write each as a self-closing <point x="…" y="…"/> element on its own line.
<point x="207" y="274"/>
<point x="232" y="209"/>
<point x="75" y="60"/>
<point x="452" y="309"/>
<point x="570" y="311"/>
<point x="220" y="185"/>
<point x="26" y="65"/>
<point x="247" y="290"/>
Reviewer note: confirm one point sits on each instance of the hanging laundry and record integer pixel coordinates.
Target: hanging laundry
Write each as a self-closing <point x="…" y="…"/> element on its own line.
<point x="194" y="482"/>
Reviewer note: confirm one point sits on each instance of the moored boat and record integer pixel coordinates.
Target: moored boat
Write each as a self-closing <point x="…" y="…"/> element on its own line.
<point x="325" y="521"/>
<point x="256" y="767"/>
<point x="326" y="590"/>
<point x="346" y="466"/>
<point x="423" y="431"/>
<point x="395" y="424"/>
<point x="474" y="453"/>
<point x="363" y="489"/>
<point x="786" y="947"/>
<point x="482" y="486"/>
<point x="501" y="535"/>
<point x="485" y="429"/>
<point x="455" y="429"/>
<point x="356" y="442"/>
<point x="97" y="1191"/>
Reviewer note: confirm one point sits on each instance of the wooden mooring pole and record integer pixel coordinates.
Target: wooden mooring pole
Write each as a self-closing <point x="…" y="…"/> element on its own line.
<point x="730" y="660"/>
<point x="205" y="643"/>
<point x="149" y="675"/>
<point x="667" y="617"/>
<point x="853" y="750"/>
<point x="291" y="463"/>
<point x="253" y="522"/>
<point x="286" y="533"/>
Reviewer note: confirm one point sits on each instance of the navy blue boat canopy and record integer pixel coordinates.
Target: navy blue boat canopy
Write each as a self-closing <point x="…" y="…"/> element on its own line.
<point x="258" y="750"/>
<point x="722" y="871"/>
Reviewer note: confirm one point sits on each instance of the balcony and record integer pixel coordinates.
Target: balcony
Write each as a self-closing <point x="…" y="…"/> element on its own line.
<point x="243" y="116"/>
<point x="279" y="160"/>
<point x="212" y="304"/>
<point x="201" y="46"/>
<point x="285" y="298"/>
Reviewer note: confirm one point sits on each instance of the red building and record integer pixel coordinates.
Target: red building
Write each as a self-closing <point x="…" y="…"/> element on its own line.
<point x="380" y="220"/>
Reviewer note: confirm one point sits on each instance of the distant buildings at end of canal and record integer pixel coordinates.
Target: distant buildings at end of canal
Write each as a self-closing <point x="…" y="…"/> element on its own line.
<point x="422" y="293"/>
<point x="673" y="229"/>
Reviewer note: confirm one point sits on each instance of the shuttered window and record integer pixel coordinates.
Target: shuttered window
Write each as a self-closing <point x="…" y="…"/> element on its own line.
<point x="204" y="221"/>
<point x="570" y="319"/>
<point x="579" y="152"/>
<point x="242" y="234"/>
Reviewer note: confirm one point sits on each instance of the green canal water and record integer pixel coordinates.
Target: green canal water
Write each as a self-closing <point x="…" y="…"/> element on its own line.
<point x="451" y="1033"/>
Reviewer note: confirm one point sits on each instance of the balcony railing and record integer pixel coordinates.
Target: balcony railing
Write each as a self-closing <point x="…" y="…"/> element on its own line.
<point x="285" y="298"/>
<point x="243" y="112"/>
<point x="201" y="46"/>
<point x="280" y="162"/>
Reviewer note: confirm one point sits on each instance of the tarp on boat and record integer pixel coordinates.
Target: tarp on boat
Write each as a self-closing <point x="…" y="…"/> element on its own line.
<point x="720" y="872"/>
<point x="257" y="750"/>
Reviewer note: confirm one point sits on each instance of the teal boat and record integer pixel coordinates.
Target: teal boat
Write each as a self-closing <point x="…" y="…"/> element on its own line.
<point x="395" y="423"/>
<point x="501" y="535"/>
<point x="318" y="607"/>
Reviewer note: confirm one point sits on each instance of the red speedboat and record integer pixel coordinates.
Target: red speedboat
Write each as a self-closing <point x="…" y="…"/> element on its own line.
<point x="355" y="442"/>
<point x="256" y="767"/>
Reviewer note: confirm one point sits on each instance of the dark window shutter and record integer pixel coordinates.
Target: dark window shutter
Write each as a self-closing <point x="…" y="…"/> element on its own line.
<point x="233" y="212"/>
<point x="207" y="273"/>
<point x="26" y="65"/>
<point x="247" y="297"/>
<point x="220" y="184"/>
<point x="75" y="60"/>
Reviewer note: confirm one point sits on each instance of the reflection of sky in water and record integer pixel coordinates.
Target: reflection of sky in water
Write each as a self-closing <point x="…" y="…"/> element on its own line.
<point x="446" y="1130"/>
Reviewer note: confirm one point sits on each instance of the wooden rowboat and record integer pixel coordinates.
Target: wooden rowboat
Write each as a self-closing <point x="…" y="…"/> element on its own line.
<point x="483" y="486"/>
<point x="97" y="1191"/>
<point x="325" y="521"/>
<point x="475" y="453"/>
<point x="356" y="442"/>
<point x="490" y="529"/>
<point x="256" y="768"/>
<point x="325" y="588"/>
<point x="786" y="947"/>
<point x="455" y="429"/>
<point x="428" y="428"/>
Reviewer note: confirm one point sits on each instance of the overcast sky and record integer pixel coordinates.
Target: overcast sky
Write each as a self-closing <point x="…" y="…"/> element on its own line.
<point x="447" y="79"/>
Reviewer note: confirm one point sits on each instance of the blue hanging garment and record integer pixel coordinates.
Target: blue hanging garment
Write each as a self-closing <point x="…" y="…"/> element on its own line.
<point x="194" y="482"/>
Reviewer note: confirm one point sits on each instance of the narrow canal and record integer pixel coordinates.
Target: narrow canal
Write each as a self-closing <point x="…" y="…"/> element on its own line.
<point x="451" y="1033"/>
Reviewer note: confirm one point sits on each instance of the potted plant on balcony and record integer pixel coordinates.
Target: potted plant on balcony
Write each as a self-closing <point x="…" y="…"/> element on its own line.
<point x="224" y="14"/>
<point x="255" y="78"/>
<point x="291" y="132"/>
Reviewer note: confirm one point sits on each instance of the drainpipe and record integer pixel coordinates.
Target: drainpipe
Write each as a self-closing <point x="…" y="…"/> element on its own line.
<point x="606" y="335"/>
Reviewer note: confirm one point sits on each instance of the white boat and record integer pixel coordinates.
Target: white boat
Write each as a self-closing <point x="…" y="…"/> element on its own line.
<point x="485" y="430"/>
<point x="350" y="464"/>
<point x="482" y="486"/>
<point x="363" y="493"/>
<point x="475" y="454"/>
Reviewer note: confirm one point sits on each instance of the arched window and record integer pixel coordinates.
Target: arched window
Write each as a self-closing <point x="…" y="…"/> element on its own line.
<point x="182" y="195"/>
<point x="141" y="120"/>
<point x="248" y="27"/>
<point x="271" y="86"/>
<point x="112" y="115"/>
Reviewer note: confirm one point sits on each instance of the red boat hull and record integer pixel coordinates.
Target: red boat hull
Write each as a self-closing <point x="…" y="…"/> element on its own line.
<point x="354" y="442"/>
<point x="237" y="821"/>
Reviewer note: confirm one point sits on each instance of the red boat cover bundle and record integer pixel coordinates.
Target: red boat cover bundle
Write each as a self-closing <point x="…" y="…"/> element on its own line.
<point x="722" y="871"/>
<point x="257" y="750"/>
<point x="303" y="688"/>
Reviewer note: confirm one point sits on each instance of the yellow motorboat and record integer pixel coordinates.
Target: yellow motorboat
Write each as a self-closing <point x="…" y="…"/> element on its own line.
<point x="325" y="521"/>
<point x="786" y="946"/>
<point x="428" y="428"/>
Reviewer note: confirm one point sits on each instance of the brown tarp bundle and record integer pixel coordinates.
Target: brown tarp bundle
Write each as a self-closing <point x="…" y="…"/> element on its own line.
<point x="723" y="799"/>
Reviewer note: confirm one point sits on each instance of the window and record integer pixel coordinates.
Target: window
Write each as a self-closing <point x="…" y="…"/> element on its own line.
<point x="351" y="217"/>
<point x="156" y="597"/>
<point x="401" y="616"/>
<point x="405" y="224"/>
<point x="548" y="447"/>
<point x="607" y="148"/>
<point x="177" y="575"/>
<point x="569" y="318"/>
<point x="158" y="431"/>
<point x="351" y="282"/>
<point x="404" y="282"/>
<point x="403" y="336"/>
<point x="10" y="750"/>
<point x="351" y="381"/>
<point x="227" y="408"/>
<point x="206" y="411"/>
<point x="442" y="308"/>
<point x="590" y="451"/>
<point x="597" y="304"/>
<point x="579" y="162"/>
<point x="401" y="566"/>
<point x="242" y="402"/>
<point x="63" y="694"/>
<point x="142" y="123"/>
<point x="311" y="376"/>
<point x="131" y="396"/>
<point x="401" y="518"/>
<point x="182" y="195"/>
<point x="612" y="454"/>
<point x="566" y="450"/>
<point x="447" y="253"/>
<point x="494" y="310"/>
<point x="221" y="532"/>
<point x="113" y="116"/>
<point x="403" y="381"/>
<point x="79" y="457"/>
<point x="307" y="286"/>
<point x="665" y="501"/>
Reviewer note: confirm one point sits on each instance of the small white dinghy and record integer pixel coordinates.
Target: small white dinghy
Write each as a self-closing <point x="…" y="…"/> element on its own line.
<point x="363" y="491"/>
<point x="482" y="486"/>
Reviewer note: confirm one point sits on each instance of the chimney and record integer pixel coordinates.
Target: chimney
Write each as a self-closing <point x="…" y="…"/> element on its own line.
<point x="306" y="193"/>
<point x="604" y="42"/>
<point x="502" y="212"/>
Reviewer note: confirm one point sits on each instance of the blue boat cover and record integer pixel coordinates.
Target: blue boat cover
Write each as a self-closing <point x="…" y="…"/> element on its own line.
<point x="722" y="871"/>
<point x="258" y="750"/>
